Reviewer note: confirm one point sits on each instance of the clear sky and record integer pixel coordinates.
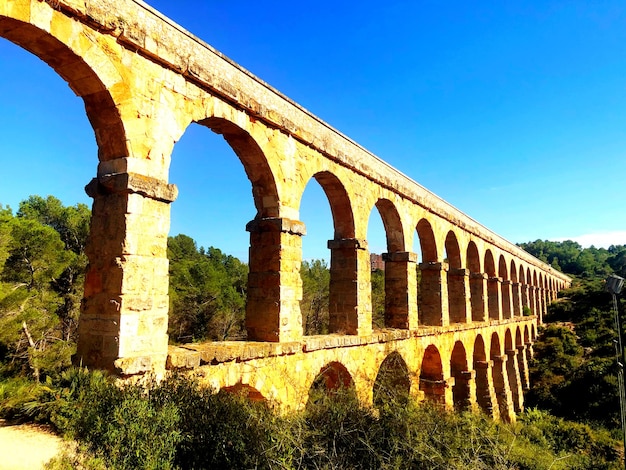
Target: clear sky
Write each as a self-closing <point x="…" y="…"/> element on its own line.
<point x="514" y="112"/>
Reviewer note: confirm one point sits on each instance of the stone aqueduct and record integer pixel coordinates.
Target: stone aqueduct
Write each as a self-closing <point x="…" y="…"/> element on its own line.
<point x="465" y="342"/>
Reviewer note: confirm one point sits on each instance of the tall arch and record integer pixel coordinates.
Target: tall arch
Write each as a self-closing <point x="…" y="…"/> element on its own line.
<point x="493" y="288"/>
<point x="461" y="393"/>
<point x="513" y="372"/>
<point x="516" y="292"/>
<point x="119" y="214"/>
<point x="431" y="376"/>
<point x="500" y="379"/>
<point x="431" y="297"/>
<point x="505" y="288"/>
<point x="272" y="313"/>
<point x="457" y="281"/>
<point x="400" y="278"/>
<point x="349" y="263"/>
<point x="522" y="358"/>
<point x="485" y="396"/>
<point x="478" y="284"/>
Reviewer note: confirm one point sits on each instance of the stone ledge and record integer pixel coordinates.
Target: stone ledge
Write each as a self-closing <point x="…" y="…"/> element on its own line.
<point x="194" y="355"/>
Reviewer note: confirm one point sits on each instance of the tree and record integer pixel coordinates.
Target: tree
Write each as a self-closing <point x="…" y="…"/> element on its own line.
<point x="42" y="264"/>
<point x="314" y="304"/>
<point x="207" y="292"/>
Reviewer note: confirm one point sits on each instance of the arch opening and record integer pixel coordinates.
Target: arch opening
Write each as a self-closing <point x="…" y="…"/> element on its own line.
<point x="456" y="280"/>
<point x="461" y="396"/>
<point x="343" y="291"/>
<point x="477" y="284"/>
<point x="332" y="382"/>
<point x="393" y="383"/>
<point x="432" y="382"/>
<point x="209" y="269"/>
<point x="430" y="299"/>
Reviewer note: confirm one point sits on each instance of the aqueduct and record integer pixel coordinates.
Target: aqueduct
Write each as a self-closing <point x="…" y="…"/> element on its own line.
<point x="464" y="340"/>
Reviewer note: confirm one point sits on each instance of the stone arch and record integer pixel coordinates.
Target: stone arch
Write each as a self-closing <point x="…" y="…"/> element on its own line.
<point x="459" y="370"/>
<point x="484" y="389"/>
<point x="245" y="391"/>
<point x="531" y="291"/>
<point x="397" y="262"/>
<point x="393" y="383"/>
<point x="522" y="357"/>
<point x="264" y="297"/>
<point x="394" y="230"/>
<point x="431" y="376"/>
<point x="541" y="297"/>
<point x="332" y="379"/>
<point x="428" y="244"/>
<point x="493" y="287"/>
<point x="456" y="280"/>
<point x="346" y="256"/>
<point x="430" y="297"/>
<point x="516" y="292"/>
<point x="526" y="335"/>
<point x="89" y="73"/>
<point x="340" y="204"/>
<point x="512" y="370"/>
<point x="507" y="311"/>
<point x="477" y="283"/>
<point x="254" y="161"/>
<point x="89" y="63"/>
<point x="500" y="378"/>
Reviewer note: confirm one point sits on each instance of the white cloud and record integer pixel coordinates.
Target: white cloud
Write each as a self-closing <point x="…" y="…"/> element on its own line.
<point x="601" y="239"/>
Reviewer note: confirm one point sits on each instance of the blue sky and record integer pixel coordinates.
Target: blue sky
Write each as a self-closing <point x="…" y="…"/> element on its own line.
<point x="514" y="112"/>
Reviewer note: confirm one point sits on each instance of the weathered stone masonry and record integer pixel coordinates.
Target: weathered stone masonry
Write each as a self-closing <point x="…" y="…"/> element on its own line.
<point x="455" y="325"/>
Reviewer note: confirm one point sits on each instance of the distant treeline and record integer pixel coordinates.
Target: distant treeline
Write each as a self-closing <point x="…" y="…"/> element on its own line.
<point x="571" y="258"/>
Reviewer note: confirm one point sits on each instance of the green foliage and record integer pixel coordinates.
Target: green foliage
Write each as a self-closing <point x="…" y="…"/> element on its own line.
<point x="571" y="258"/>
<point x="315" y="289"/>
<point x="42" y="267"/>
<point x="178" y="424"/>
<point x="574" y="372"/>
<point x="378" y="298"/>
<point x="207" y="293"/>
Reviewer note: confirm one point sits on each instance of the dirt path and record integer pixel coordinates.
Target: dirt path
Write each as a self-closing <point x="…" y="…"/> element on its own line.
<point x="26" y="447"/>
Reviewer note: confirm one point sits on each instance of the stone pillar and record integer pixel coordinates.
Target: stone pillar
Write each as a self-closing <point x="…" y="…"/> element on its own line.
<point x="530" y="352"/>
<point x="459" y="307"/>
<point x="274" y="282"/>
<point x="515" y="381"/>
<point x="503" y="389"/>
<point x="522" y="363"/>
<point x="485" y="391"/>
<point x="478" y="297"/>
<point x="434" y="295"/>
<point x="495" y="299"/>
<point x="464" y="390"/>
<point x="350" y="298"/>
<point x="507" y="304"/>
<point x="124" y="313"/>
<point x="400" y="290"/>
<point x="517" y="299"/>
